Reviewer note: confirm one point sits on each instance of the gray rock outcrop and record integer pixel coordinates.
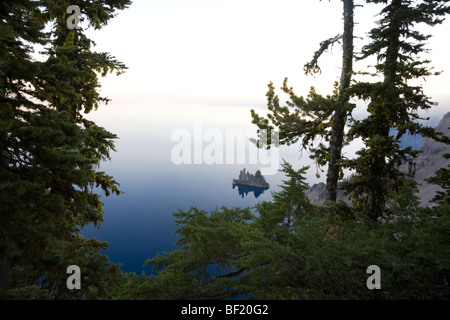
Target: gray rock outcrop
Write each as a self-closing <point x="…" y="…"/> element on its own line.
<point x="429" y="160"/>
<point x="247" y="179"/>
<point x="317" y="194"/>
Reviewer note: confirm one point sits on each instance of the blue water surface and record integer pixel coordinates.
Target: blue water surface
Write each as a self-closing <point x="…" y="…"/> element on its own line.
<point x="139" y="223"/>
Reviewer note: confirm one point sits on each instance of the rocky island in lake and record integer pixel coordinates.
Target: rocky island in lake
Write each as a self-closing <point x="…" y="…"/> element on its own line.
<point x="247" y="179"/>
<point x="248" y="183"/>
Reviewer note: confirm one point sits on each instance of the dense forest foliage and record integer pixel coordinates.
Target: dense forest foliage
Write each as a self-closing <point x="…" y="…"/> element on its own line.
<point x="287" y="248"/>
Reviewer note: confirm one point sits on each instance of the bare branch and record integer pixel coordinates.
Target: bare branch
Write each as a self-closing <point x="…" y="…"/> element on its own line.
<point x="312" y="67"/>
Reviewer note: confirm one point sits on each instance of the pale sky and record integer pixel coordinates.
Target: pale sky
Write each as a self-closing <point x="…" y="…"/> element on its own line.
<point x="224" y="53"/>
<point x="211" y="60"/>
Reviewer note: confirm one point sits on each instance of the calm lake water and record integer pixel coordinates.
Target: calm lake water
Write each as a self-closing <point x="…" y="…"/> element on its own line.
<point x="139" y="223"/>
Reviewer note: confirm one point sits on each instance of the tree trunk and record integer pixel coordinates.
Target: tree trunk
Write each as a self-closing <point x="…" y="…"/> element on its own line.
<point x="340" y="115"/>
<point x="383" y="121"/>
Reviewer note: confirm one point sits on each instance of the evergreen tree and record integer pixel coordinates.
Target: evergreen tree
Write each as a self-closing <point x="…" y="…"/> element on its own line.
<point x="393" y="103"/>
<point x="19" y="27"/>
<point x="317" y="116"/>
<point x="50" y="152"/>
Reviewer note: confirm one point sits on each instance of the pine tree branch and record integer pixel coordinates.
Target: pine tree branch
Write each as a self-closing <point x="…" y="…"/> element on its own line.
<point x="312" y="67"/>
<point x="230" y="274"/>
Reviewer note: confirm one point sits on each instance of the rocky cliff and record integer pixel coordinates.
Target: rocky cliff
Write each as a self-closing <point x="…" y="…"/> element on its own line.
<point x="426" y="163"/>
<point x="318" y="194"/>
<point x="429" y="160"/>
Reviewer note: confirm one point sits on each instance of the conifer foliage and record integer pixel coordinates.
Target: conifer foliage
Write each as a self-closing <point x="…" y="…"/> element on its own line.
<point x="49" y="152"/>
<point x="290" y="249"/>
<point x="394" y="104"/>
<point x="317" y="117"/>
